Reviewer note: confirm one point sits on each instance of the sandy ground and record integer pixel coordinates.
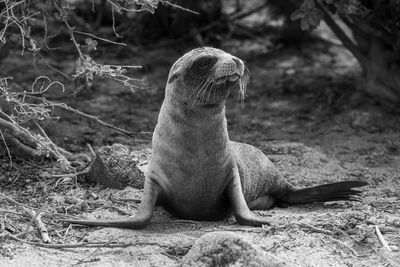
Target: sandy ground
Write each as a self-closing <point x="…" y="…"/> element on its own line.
<point x="303" y="109"/>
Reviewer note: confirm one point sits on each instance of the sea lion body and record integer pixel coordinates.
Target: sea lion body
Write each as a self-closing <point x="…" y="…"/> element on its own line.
<point x="191" y="162"/>
<point x="195" y="171"/>
<point x="258" y="175"/>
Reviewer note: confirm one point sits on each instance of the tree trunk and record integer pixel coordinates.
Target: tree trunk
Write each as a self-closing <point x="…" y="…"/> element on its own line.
<point x="382" y="70"/>
<point x="377" y="51"/>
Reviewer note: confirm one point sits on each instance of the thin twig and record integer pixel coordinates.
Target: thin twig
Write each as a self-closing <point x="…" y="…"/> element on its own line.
<point x="12" y="212"/>
<point x="229" y="17"/>
<point x="24" y="233"/>
<point x="83" y="114"/>
<point x="70" y="31"/>
<point x="315" y="229"/>
<point x="36" y="217"/>
<point x="74" y="174"/>
<point x="113" y="19"/>
<point x="99" y="38"/>
<point x="91" y="150"/>
<point x="15" y="202"/>
<point x="88" y="245"/>
<point x="26" y="135"/>
<point x="8" y="150"/>
<point x="382" y="239"/>
<point x="134" y="200"/>
<point x="179" y="7"/>
<point x="53" y="146"/>
<point x="234" y="16"/>
<point x="95" y="118"/>
<point x="53" y="68"/>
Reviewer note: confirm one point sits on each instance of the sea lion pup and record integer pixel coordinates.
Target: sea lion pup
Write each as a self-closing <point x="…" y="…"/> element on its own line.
<point x="195" y="171"/>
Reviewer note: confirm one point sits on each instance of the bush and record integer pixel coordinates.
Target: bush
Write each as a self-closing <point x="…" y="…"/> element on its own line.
<point x="35" y="27"/>
<point x="375" y="40"/>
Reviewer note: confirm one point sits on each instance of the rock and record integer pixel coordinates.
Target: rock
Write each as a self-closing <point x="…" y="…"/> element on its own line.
<point x="227" y="249"/>
<point x="118" y="166"/>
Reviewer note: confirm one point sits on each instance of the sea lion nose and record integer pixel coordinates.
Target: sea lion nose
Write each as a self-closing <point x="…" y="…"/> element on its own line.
<point x="238" y="63"/>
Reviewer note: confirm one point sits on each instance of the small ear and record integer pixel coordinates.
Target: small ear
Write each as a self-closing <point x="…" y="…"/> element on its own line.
<point x="173" y="77"/>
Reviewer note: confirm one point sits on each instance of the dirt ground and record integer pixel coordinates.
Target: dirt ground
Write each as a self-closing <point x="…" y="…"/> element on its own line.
<point x="304" y="108"/>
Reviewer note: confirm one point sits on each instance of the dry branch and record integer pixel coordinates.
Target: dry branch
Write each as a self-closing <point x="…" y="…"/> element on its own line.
<point x="382" y="239"/>
<point x="37" y="219"/>
<point x="35" y="216"/>
<point x="87" y="245"/>
<point x="15" y="202"/>
<point x="315" y="229"/>
<point x="341" y="34"/>
<point x="88" y="116"/>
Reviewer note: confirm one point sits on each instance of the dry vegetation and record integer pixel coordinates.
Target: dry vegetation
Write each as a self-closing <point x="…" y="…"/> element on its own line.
<point x="305" y="108"/>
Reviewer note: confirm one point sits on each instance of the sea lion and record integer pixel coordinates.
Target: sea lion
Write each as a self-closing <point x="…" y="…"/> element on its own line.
<point x="195" y="171"/>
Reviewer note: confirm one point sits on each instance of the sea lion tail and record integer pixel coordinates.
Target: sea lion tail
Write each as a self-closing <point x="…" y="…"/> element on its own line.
<point x="323" y="193"/>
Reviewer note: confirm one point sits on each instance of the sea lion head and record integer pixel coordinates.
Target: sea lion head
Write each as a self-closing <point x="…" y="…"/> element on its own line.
<point x="204" y="77"/>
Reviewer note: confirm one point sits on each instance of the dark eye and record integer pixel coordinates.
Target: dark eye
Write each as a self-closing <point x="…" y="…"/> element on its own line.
<point x="205" y="63"/>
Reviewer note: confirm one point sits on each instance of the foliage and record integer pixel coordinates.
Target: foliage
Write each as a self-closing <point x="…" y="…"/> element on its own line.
<point x="375" y="39"/>
<point x="309" y="15"/>
<point x="33" y="26"/>
<point x="384" y="13"/>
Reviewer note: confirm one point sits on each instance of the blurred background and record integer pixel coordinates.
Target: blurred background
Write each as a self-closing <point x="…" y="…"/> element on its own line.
<point x="90" y="73"/>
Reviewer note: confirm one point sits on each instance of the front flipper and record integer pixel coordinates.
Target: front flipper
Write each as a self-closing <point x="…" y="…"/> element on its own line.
<point x="241" y="211"/>
<point x="151" y="193"/>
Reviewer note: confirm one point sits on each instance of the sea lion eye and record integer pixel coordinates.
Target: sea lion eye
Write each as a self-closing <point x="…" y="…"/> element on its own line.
<point x="205" y="63"/>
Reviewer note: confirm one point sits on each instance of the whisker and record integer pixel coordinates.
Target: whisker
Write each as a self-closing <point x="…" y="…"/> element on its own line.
<point x="201" y="91"/>
<point x="197" y="91"/>
<point x="203" y="94"/>
<point x="213" y="87"/>
<point x="198" y="88"/>
<point x="243" y="85"/>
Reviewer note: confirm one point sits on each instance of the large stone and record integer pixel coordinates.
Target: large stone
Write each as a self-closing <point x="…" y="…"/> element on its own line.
<point x="118" y="166"/>
<point x="228" y="249"/>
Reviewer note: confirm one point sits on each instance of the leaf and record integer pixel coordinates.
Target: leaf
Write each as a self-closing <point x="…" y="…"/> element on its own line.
<point x="313" y="20"/>
<point x="315" y="17"/>
<point x="297" y="14"/>
<point x="149" y="5"/>
<point x="304" y="25"/>
<point x="91" y="44"/>
<point x="309" y="4"/>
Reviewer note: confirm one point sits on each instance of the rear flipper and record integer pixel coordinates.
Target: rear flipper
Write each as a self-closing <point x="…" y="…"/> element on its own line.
<point x="140" y="220"/>
<point x="322" y="193"/>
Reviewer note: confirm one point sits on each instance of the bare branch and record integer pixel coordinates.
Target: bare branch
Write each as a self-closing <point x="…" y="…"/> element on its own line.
<point x="5" y="144"/>
<point x="99" y="38"/>
<point x="341" y="35"/>
<point x="36" y="217"/>
<point x="88" y="245"/>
